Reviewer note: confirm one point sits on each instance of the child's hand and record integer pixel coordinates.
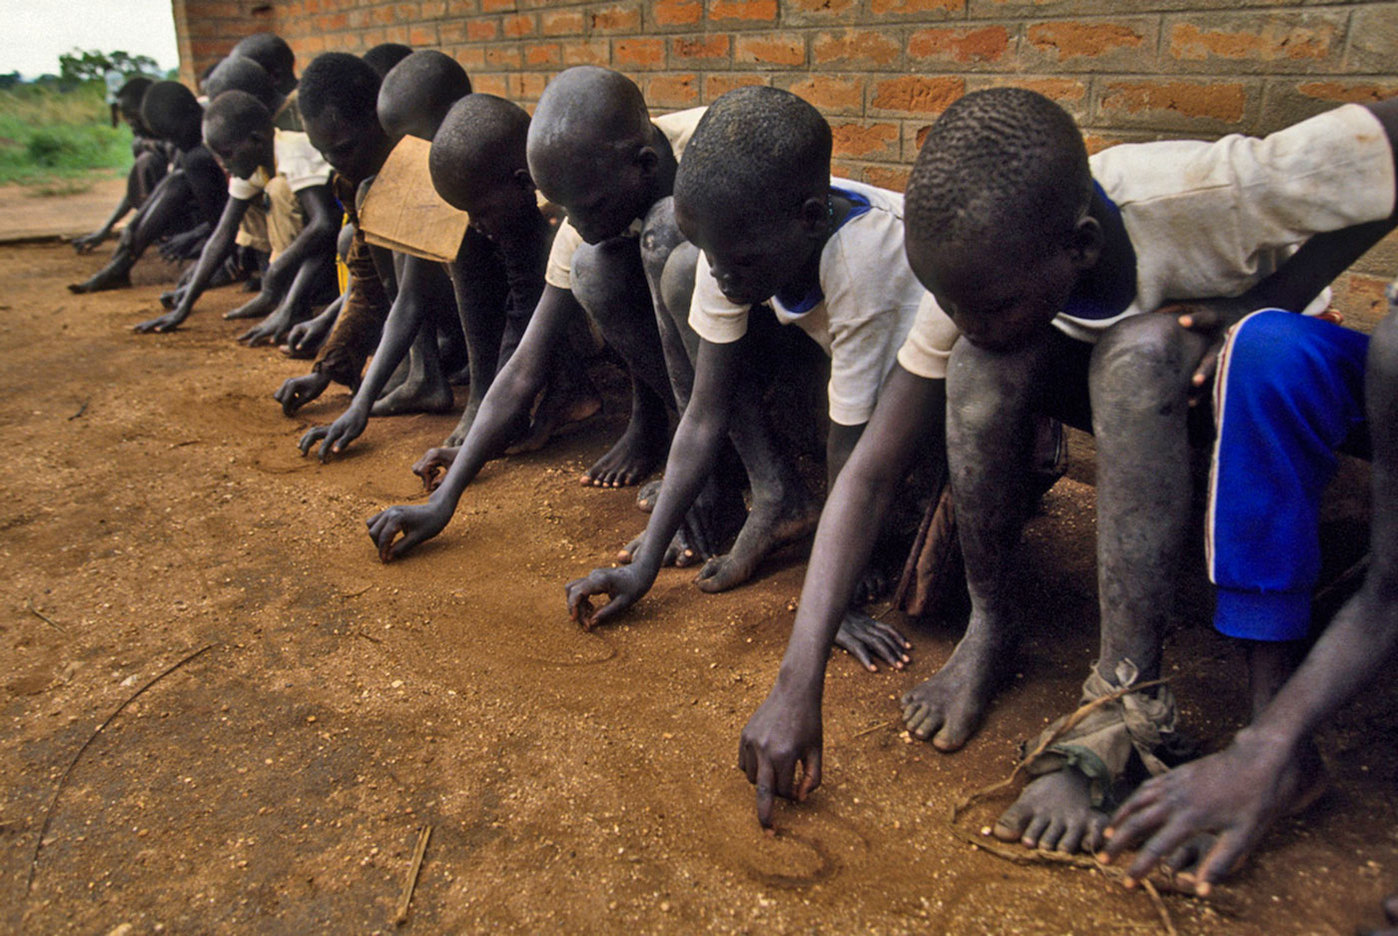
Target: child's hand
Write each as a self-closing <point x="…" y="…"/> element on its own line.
<point x="867" y="639"/>
<point x="334" y="437"/>
<point x="296" y="392"/>
<point x="432" y="466"/>
<point x="417" y="522"/>
<point x="1212" y="318"/>
<point x="624" y="586"/>
<point x="783" y="732"/>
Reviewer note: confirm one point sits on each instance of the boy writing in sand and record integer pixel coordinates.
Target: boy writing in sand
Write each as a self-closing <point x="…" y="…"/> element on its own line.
<point x="1045" y="261"/>
<point x="754" y="195"/>
<point x="240" y="130"/>
<point x="412" y="101"/>
<point x="593" y="148"/>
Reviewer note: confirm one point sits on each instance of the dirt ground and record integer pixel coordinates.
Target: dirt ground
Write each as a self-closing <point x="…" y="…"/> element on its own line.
<point x="154" y="505"/>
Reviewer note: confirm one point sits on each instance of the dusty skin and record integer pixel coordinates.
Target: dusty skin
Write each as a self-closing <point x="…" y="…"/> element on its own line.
<point x="154" y="502"/>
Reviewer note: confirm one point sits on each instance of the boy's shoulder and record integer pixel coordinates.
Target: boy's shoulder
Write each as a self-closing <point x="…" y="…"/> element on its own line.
<point x="679" y="126"/>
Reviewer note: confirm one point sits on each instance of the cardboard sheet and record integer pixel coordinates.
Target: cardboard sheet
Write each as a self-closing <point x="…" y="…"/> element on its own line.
<point x="403" y="212"/>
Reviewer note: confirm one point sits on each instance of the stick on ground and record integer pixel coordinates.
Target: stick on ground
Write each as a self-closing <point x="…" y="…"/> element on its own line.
<point x="63" y="780"/>
<point x="423" y="835"/>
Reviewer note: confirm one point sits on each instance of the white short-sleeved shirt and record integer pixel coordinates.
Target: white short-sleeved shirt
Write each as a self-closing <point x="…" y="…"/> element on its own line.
<point x="678" y="128"/>
<point x="296" y="159"/>
<point x="869" y="298"/>
<point x="1214" y="219"/>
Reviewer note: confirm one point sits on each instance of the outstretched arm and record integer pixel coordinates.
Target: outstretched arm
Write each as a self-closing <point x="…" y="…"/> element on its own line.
<point x="503" y="412"/>
<point x="405" y="317"/>
<point x="216" y="250"/>
<point x="288" y="282"/>
<point x="786" y="728"/>
<point x="695" y="448"/>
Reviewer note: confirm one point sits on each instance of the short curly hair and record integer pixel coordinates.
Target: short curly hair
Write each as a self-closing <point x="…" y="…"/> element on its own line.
<point x="1005" y="161"/>
<point x="343" y="81"/>
<point x="756" y="151"/>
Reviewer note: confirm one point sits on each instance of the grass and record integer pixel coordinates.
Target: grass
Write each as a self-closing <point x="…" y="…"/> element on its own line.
<point x="51" y="139"/>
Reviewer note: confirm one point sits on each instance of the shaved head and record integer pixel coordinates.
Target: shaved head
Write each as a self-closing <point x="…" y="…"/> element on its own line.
<point x="271" y="52"/>
<point x="417" y="93"/>
<point x="593" y="149"/>
<point x="480" y="144"/>
<point x="239" y="73"/>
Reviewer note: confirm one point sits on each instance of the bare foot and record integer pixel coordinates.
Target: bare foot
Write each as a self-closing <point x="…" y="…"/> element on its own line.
<point x="1054" y="811"/>
<point x="556" y="411"/>
<point x="635" y="455"/>
<point x="952" y="702"/>
<point x="104" y="279"/>
<point x="414" y="395"/>
<point x="647" y="494"/>
<point x="769" y="527"/>
<point x="259" y="306"/>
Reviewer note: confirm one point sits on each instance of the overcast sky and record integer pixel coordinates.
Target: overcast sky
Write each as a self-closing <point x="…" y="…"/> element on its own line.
<point x="36" y="32"/>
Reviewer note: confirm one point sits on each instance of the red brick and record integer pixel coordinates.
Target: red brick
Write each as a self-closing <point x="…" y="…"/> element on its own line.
<point x="471" y="58"/>
<point x="462" y="7"/>
<point x="906" y="7"/>
<point x="423" y="36"/>
<point x="1223" y="101"/>
<point x="677" y="12"/>
<point x="717" y="85"/>
<point x="497" y="6"/>
<point x="797" y="11"/>
<point x="1067" y="40"/>
<point x="1272" y="41"/>
<point x="561" y="23"/>
<point x="587" y="52"/>
<point x="870" y="48"/>
<point x="433" y="9"/>
<point x="1361" y="299"/>
<point x="526" y="86"/>
<point x="894" y="178"/>
<point x="830" y="94"/>
<point x="516" y="26"/>
<point x="711" y="48"/>
<point x="503" y="56"/>
<point x="332" y="22"/>
<point x="451" y="32"/>
<point x="953" y="45"/>
<point x="543" y="53"/>
<point x="917" y="94"/>
<point x="617" y="19"/>
<point x="865" y="141"/>
<point x="491" y="84"/>
<point x="771" y="49"/>
<point x="680" y="90"/>
<point x="480" y="30"/>
<point x="639" y="53"/>
<point x="384" y="16"/>
<point x="744" y="10"/>
<point x="1344" y="92"/>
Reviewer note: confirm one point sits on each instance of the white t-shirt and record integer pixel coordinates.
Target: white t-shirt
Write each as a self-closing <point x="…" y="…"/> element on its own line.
<point x="678" y="128"/>
<point x="1214" y="219"/>
<point x="296" y="159"/>
<point x="869" y="300"/>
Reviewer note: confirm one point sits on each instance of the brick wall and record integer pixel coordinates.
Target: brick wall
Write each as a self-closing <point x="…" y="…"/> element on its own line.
<point x="881" y="70"/>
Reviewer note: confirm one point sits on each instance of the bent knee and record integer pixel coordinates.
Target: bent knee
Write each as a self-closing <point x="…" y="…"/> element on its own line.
<point x="1147" y="358"/>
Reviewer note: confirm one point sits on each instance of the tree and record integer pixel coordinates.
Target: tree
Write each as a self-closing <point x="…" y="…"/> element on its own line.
<point x="78" y="65"/>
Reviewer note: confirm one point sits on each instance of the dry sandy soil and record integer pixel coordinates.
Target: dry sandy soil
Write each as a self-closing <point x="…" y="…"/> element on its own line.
<point x="153" y="505"/>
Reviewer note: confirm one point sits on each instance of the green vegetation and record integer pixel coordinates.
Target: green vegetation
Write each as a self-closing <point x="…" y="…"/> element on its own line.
<point x="49" y="133"/>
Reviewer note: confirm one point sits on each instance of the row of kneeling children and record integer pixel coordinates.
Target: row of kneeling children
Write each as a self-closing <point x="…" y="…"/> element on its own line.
<point x="1163" y="296"/>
